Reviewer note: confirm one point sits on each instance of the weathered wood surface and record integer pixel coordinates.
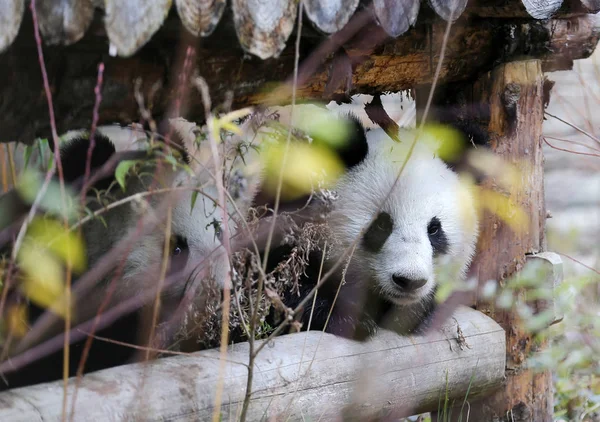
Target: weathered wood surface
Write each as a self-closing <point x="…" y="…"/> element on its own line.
<point x="515" y="92"/>
<point x="68" y="20"/>
<point x="551" y="270"/>
<point x="473" y="47"/>
<point x="301" y="375"/>
<point x="531" y="8"/>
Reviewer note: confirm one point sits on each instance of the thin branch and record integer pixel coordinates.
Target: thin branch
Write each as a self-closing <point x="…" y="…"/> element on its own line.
<point x="580" y="263"/>
<point x="261" y="279"/>
<point x="154" y="349"/>
<point x="58" y="165"/>
<point x="589" y="135"/>
<point x="588" y="154"/>
<point x="88" y="163"/>
<point x="161" y="280"/>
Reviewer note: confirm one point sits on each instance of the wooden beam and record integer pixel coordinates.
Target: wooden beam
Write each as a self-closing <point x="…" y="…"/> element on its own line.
<point x="474" y="47"/>
<point x="303" y="375"/>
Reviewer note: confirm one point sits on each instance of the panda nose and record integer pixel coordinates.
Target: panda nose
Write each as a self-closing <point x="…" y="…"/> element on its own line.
<point x="408" y="284"/>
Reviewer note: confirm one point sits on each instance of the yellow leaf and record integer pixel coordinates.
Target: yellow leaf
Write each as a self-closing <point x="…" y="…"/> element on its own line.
<point x="66" y="244"/>
<point x="43" y="281"/>
<point x="306" y="166"/>
<point x="16" y="320"/>
<point x="231" y="127"/>
<point x="445" y="140"/>
<point x="322" y="125"/>
<point x="504" y="173"/>
<point x="468" y="200"/>
<point x="506" y="209"/>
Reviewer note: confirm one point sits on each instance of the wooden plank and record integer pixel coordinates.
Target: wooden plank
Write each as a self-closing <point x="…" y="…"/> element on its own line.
<point x="550" y="266"/>
<point x="304" y="375"/>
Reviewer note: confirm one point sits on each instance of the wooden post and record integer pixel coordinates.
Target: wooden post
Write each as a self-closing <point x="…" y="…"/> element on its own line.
<point x="516" y="98"/>
<point x="514" y="92"/>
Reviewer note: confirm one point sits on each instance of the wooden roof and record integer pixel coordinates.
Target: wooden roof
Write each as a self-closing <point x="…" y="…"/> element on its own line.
<point x="246" y="52"/>
<point x="263" y="27"/>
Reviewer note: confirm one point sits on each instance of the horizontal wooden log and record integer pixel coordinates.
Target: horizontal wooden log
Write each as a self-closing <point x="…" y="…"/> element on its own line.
<point x="132" y="25"/>
<point x="473" y="47"/>
<point x="531" y="8"/>
<point x="303" y="375"/>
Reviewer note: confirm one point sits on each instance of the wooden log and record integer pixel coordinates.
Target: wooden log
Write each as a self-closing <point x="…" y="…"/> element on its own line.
<point x="330" y="16"/>
<point x="64" y="21"/>
<point x="450" y="10"/>
<point x="516" y="96"/>
<point x="396" y="17"/>
<point x="303" y="375"/>
<point x="396" y="65"/>
<point x="531" y="8"/>
<point x="263" y="28"/>
<point x="11" y="15"/>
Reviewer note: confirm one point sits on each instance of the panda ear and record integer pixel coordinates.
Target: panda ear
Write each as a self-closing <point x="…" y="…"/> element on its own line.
<point x="470" y="122"/>
<point x="74" y="158"/>
<point x="355" y="149"/>
<point x="179" y="133"/>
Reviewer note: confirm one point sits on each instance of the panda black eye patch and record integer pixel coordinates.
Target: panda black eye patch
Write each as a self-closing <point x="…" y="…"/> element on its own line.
<point x="437" y="237"/>
<point x="378" y="232"/>
<point x="179" y="245"/>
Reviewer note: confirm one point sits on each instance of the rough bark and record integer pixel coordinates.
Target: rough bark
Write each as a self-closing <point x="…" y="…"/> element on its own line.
<point x="473" y="47"/>
<point x="305" y="376"/>
<point x="515" y="93"/>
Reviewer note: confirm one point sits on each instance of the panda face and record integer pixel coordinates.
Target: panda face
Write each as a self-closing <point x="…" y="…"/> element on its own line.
<point x="202" y="253"/>
<point x="412" y="230"/>
<point x="196" y="248"/>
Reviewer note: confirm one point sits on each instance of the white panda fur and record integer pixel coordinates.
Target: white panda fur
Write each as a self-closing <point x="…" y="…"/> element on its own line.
<point x="426" y="189"/>
<point x="198" y="226"/>
<point x="141" y="270"/>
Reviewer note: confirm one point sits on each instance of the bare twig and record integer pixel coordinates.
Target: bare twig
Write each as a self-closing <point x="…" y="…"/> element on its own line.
<point x="580" y="263"/>
<point x="584" y="132"/>
<point x="58" y="165"/>
<point x="203" y="88"/>
<point x="261" y="280"/>
<point x="161" y="280"/>
<point x="3" y="167"/>
<point x="589" y="154"/>
<point x="88" y="163"/>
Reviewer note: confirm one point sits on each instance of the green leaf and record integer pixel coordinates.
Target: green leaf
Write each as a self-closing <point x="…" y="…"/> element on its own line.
<point x="122" y="170"/>
<point x="321" y="124"/>
<point x="29" y="186"/>
<point x="44" y="279"/>
<point x="27" y="155"/>
<point x="194" y="197"/>
<point x="53" y="236"/>
<point x="171" y="160"/>
<point x="42" y="145"/>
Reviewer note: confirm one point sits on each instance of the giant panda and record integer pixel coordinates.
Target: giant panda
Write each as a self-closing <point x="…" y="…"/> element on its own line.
<point x="196" y="250"/>
<point x="411" y="230"/>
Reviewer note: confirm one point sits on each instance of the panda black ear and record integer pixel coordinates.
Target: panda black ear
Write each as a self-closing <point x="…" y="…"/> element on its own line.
<point x="355" y="149"/>
<point x="470" y="121"/>
<point x="74" y="157"/>
<point x="169" y="134"/>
